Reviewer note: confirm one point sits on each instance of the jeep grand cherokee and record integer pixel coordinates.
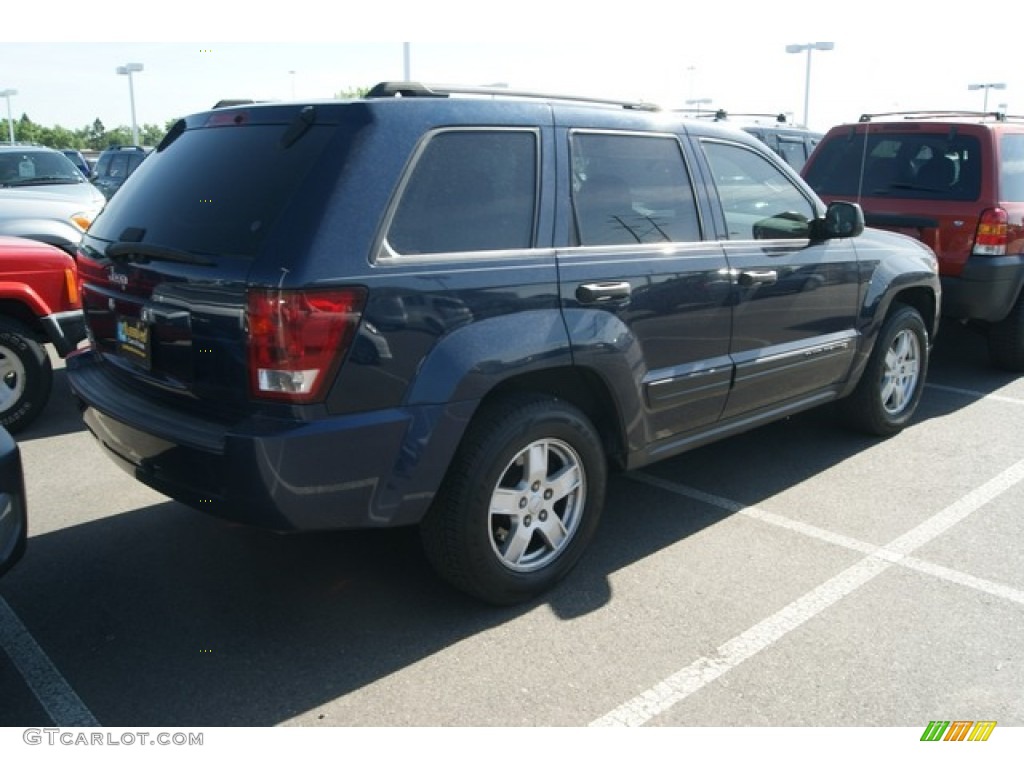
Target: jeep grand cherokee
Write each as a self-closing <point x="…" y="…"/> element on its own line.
<point x="459" y="312"/>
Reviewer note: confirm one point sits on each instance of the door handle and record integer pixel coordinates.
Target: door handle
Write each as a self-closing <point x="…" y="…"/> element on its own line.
<point x="596" y="293"/>
<point x="767" y="277"/>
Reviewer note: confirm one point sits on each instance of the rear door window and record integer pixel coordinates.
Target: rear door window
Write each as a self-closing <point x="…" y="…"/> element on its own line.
<point x="631" y="189"/>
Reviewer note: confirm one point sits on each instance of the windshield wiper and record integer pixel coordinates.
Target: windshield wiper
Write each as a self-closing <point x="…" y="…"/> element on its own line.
<point x="142" y="252"/>
<point x="40" y="180"/>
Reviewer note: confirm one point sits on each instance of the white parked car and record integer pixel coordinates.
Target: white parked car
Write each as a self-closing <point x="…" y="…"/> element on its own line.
<point x="43" y="196"/>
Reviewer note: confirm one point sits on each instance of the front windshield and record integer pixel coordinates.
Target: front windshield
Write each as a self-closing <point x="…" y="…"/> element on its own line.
<point x="34" y="167"/>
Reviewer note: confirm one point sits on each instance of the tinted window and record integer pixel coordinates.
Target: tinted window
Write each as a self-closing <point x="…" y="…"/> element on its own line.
<point x="1011" y="169"/>
<point x="631" y="189"/>
<point x="102" y="166"/>
<point x="134" y="161"/>
<point x="793" y="151"/>
<point x="213" y="190"/>
<point x="758" y="201"/>
<point x="118" y="167"/>
<point x="932" y="166"/>
<point x="469" y="191"/>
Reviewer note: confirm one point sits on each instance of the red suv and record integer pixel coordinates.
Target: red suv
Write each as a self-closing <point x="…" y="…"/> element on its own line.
<point x="39" y="304"/>
<point x="954" y="181"/>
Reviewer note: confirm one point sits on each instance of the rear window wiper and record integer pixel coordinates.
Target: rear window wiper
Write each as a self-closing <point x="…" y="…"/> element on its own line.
<point x="915" y="187"/>
<point x="142" y="252"/>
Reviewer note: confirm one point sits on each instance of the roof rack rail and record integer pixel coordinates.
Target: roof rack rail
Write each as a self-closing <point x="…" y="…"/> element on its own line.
<point x="778" y="117"/>
<point x="938" y="114"/>
<point x="410" y="89"/>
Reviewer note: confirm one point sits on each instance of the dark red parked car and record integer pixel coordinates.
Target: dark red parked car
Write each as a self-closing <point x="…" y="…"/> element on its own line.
<point x="954" y="181"/>
<point x="39" y="304"/>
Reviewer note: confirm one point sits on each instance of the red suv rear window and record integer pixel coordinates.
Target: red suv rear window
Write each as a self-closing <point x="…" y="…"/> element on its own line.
<point x="912" y="164"/>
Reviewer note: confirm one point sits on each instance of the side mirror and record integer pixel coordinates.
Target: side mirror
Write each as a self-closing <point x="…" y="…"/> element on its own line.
<point x="842" y="219"/>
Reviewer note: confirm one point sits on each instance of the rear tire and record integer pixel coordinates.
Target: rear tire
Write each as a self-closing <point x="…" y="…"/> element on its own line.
<point x="520" y="502"/>
<point x="1006" y="339"/>
<point x="26" y="376"/>
<point x="890" y="388"/>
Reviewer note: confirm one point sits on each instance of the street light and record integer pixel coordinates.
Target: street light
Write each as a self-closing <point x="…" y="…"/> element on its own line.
<point x="986" y="87"/>
<point x="797" y="48"/>
<point x="10" y="122"/>
<point x="127" y="69"/>
<point x="698" y="103"/>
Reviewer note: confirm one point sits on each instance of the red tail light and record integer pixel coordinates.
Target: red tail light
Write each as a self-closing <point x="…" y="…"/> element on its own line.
<point x="991" y="237"/>
<point x="297" y="340"/>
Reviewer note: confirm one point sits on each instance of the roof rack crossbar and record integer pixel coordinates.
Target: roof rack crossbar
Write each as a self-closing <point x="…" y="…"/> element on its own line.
<point x="409" y="89"/>
<point x="938" y="114"/>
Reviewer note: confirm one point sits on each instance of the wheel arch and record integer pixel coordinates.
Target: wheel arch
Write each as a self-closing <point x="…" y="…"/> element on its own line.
<point x="580" y="387"/>
<point x="924" y="301"/>
<point x="25" y="317"/>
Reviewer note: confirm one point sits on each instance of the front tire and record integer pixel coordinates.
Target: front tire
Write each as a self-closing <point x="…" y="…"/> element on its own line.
<point x="890" y="388"/>
<point x="520" y="502"/>
<point x="26" y="376"/>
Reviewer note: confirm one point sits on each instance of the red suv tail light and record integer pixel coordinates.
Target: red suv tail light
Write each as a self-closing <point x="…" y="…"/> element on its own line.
<point x="991" y="237"/>
<point x="298" y="338"/>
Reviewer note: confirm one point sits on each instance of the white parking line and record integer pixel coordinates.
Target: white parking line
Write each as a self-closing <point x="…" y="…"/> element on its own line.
<point x="690" y="679"/>
<point x="51" y="689"/>
<point x="977" y="395"/>
<point x="781" y="521"/>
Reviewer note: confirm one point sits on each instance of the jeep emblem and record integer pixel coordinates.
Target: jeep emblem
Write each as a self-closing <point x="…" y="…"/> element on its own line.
<point x="118" y="278"/>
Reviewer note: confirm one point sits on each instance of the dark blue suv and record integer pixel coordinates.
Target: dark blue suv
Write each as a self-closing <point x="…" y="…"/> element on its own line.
<point x="461" y="312"/>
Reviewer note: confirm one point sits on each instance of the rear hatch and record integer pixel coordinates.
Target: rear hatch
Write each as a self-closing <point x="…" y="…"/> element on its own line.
<point x="924" y="181"/>
<point x="165" y="269"/>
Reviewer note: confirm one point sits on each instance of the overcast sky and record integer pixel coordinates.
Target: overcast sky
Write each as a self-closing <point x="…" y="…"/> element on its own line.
<point x="887" y="55"/>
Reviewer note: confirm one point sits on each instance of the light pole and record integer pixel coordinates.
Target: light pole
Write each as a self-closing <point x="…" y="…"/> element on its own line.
<point x="698" y="103"/>
<point x="985" y="87"/>
<point x="291" y="72"/>
<point x="798" y="48"/>
<point x="406" y="62"/>
<point x="127" y="69"/>
<point x="10" y="122"/>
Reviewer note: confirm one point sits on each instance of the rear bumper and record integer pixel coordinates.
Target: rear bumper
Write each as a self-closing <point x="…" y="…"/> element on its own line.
<point x="986" y="289"/>
<point x="376" y="469"/>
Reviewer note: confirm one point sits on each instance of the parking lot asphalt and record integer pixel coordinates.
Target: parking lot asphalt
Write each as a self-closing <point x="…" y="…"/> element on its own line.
<point x="797" y="575"/>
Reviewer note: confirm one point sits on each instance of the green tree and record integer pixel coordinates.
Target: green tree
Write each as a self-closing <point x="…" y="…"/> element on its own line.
<point x="95" y="134"/>
<point x="27" y="131"/>
<point x="150" y="135"/>
<point x="352" y="93"/>
<point x="57" y="137"/>
<point x="120" y="135"/>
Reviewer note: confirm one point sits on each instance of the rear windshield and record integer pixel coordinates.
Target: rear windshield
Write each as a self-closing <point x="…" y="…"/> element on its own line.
<point x="213" y="190"/>
<point x="1011" y="168"/>
<point x="928" y="166"/>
